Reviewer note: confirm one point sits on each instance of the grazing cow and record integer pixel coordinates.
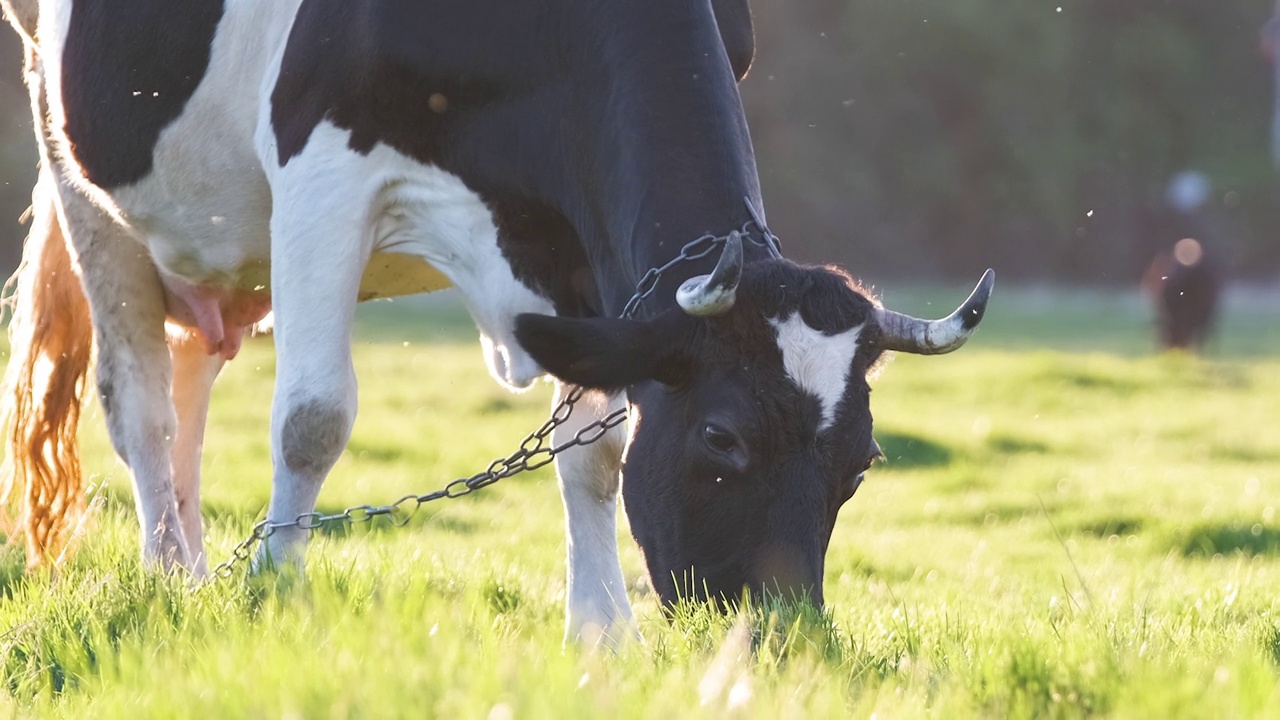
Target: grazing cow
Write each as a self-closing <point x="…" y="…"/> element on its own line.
<point x="1184" y="286"/>
<point x="210" y="160"/>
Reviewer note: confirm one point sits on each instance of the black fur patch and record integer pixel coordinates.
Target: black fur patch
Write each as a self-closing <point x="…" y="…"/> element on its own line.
<point x="128" y="70"/>
<point x="603" y="137"/>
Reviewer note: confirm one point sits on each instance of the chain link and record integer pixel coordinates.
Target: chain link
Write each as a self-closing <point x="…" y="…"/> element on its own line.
<point x="533" y="452"/>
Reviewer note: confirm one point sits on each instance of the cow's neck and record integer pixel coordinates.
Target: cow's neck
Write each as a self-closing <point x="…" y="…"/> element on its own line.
<point x="672" y="161"/>
<point x="659" y="226"/>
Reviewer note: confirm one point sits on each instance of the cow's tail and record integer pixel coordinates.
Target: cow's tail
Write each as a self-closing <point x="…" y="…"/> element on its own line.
<point x="50" y="343"/>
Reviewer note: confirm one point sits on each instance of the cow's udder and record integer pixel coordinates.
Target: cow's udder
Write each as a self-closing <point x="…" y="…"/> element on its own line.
<point x="219" y="314"/>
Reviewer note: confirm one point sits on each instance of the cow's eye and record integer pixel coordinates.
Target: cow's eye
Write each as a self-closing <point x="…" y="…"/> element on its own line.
<point x="724" y="449"/>
<point x="867" y="465"/>
<point x="874" y="455"/>
<point x="719" y="439"/>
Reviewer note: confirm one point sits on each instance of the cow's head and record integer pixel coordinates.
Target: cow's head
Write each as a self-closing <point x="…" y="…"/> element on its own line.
<point x="750" y="416"/>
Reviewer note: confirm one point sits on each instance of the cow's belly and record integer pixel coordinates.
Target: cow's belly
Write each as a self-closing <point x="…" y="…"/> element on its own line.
<point x="392" y="274"/>
<point x="213" y="229"/>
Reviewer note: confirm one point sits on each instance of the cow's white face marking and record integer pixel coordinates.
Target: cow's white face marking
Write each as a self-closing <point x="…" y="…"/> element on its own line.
<point x="818" y="363"/>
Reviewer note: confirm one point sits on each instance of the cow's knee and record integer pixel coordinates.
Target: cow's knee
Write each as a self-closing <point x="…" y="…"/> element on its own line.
<point x="313" y="436"/>
<point x="309" y="441"/>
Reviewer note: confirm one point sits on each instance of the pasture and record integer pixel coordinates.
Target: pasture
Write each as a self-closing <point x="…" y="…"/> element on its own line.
<point x="1068" y="525"/>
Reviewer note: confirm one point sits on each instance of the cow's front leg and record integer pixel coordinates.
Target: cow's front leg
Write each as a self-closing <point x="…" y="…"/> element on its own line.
<point x="597" y="610"/>
<point x="133" y="373"/>
<point x="194" y="371"/>
<point x="320" y="244"/>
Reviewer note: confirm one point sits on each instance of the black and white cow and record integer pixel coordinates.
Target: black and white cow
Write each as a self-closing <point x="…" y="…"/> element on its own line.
<point x="213" y="159"/>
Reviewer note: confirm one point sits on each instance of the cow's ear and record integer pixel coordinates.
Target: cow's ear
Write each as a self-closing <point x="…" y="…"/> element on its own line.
<point x="598" y="353"/>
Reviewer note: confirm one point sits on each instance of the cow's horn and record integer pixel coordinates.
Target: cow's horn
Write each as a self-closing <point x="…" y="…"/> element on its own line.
<point x="934" y="337"/>
<point x="714" y="294"/>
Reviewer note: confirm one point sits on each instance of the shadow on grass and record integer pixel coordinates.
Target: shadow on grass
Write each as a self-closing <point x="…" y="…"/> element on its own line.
<point x="1106" y="527"/>
<point x="1004" y="444"/>
<point x="1088" y="379"/>
<point x="496" y="404"/>
<point x="1242" y="454"/>
<point x="903" y="450"/>
<point x="1228" y="538"/>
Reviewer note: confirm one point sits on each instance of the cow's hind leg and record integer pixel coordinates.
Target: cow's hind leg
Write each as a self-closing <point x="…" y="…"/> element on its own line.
<point x="133" y="373"/>
<point x="597" y="610"/>
<point x="194" y="371"/>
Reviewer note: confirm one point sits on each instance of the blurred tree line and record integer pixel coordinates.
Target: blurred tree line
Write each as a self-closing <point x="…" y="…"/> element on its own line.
<point x="928" y="139"/>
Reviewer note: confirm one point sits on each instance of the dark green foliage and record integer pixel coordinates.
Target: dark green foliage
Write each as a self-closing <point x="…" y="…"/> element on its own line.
<point x="1232" y="537"/>
<point x="935" y="137"/>
<point x="503" y="596"/>
<point x="903" y="450"/>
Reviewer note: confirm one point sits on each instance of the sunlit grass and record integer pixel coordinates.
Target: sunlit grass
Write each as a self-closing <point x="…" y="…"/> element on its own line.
<point x="1083" y="530"/>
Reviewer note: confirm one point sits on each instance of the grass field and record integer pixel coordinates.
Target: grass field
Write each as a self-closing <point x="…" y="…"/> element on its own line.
<point x="1068" y="525"/>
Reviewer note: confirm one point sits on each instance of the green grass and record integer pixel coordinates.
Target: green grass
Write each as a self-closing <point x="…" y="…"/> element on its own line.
<point x="1068" y="525"/>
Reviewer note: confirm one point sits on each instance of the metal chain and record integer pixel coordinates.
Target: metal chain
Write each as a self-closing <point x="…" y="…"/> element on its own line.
<point x="533" y="453"/>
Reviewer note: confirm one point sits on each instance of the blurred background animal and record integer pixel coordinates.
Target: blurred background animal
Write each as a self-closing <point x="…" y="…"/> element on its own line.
<point x="1185" y="287"/>
<point x="1184" y="282"/>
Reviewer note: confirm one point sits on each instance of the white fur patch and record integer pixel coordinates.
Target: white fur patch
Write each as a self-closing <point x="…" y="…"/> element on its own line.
<point x="818" y="363"/>
<point x="420" y="223"/>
